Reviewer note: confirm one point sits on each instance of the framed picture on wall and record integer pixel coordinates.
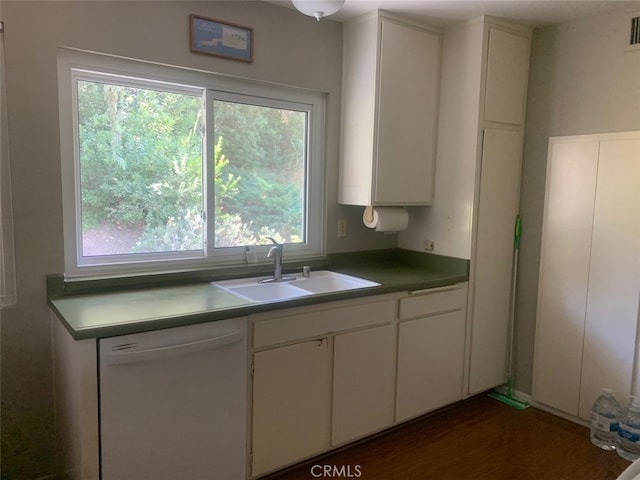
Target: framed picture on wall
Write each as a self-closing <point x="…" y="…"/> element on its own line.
<point x="220" y="39"/>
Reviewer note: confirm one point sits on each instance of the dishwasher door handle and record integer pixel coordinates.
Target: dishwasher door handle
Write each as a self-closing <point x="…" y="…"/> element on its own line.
<point x="121" y="357"/>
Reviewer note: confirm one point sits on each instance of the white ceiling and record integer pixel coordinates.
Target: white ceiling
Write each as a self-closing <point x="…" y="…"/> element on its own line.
<point x="535" y="13"/>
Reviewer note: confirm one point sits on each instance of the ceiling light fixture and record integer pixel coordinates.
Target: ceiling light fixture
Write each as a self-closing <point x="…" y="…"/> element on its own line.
<point x="318" y="8"/>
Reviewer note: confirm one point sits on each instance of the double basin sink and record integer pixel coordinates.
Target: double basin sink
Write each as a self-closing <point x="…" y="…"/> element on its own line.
<point x="319" y="282"/>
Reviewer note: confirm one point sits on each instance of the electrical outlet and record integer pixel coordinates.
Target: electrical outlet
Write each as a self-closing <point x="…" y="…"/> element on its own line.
<point x="342" y="227"/>
<point x="428" y="245"/>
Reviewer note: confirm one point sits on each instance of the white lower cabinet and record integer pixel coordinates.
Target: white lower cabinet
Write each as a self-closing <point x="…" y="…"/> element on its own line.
<point x="430" y="363"/>
<point x="298" y="411"/>
<point x="322" y="376"/>
<point x="291" y="403"/>
<point x="431" y="351"/>
<point x="363" y="383"/>
<point x="326" y="375"/>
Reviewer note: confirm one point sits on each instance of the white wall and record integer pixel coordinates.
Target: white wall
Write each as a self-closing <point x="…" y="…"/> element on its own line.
<point x="290" y="48"/>
<point x="582" y="81"/>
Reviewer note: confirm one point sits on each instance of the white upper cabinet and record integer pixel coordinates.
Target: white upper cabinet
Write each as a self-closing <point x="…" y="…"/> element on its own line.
<point x="507" y="73"/>
<point x="391" y="72"/>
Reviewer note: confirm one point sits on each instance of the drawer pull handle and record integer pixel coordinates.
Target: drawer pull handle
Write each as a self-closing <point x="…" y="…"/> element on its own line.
<point x="434" y="290"/>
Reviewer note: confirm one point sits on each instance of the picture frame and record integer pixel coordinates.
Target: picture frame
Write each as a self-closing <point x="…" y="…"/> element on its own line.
<point x="210" y="36"/>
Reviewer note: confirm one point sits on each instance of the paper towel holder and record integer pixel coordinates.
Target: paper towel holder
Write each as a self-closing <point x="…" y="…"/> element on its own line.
<point x="368" y="213"/>
<point x="386" y="219"/>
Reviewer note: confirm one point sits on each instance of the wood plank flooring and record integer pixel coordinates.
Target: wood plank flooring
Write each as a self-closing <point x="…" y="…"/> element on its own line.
<point x="480" y="438"/>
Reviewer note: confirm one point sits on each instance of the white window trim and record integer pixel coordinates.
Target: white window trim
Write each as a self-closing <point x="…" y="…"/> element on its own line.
<point x="72" y="63"/>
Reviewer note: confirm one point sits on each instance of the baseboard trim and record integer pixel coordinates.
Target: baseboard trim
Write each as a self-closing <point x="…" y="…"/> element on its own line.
<point x="560" y="413"/>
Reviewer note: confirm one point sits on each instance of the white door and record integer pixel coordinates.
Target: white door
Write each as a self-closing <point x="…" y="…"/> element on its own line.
<point x="430" y="363"/>
<point x="493" y="257"/>
<point x="507" y="74"/>
<point x="363" y="382"/>
<point x="291" y="404"/>
<point x="589" y="288"/>
<point x="614" y="275"/>
<point x="408" y="111"/>
<point x="564" y="273"/>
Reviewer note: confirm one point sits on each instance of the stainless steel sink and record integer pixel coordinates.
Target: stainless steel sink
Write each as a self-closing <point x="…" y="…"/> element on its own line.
<point x="322" y="281"/>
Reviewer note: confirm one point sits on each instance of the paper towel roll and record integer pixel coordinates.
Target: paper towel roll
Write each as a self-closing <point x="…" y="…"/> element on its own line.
<point x="386" y="219"/>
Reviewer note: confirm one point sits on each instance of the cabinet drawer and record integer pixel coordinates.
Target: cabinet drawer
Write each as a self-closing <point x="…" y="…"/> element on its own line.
<point x="303" y="325"/>
<point x="428" y="303"/>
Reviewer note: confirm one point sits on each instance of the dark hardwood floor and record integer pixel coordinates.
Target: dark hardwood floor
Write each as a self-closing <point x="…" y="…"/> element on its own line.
<point x="480" y="438"/>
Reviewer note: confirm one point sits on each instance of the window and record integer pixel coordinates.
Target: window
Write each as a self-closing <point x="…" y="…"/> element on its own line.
<point x="260" y="171"/>
<point x="167" y="168"/>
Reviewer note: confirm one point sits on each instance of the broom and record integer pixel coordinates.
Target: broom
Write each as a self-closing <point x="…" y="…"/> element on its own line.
<point x="507" y="397"/>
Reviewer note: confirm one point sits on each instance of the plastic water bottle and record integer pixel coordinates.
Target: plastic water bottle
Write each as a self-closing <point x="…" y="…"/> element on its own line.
<point x="628" y="445"/>
<point x="605" y="415"/>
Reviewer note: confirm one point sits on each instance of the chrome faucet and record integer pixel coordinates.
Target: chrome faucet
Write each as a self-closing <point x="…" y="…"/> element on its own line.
<point x="276" y="253"/>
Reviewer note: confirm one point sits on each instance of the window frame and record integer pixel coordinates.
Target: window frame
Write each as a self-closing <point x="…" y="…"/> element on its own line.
<point x="74" y="65"/>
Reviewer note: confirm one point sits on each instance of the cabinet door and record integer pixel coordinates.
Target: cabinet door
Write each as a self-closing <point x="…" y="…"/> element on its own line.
<point x="363" y="383"/>
<point x="564" y="273"/>
<point x="407" y="115"/>
<point x="291" y="404"/>
<point x="507" y="72"/>
<point x="493" y="257"/>
<point x="614" y="275"/>
<point x="430" y="363"/>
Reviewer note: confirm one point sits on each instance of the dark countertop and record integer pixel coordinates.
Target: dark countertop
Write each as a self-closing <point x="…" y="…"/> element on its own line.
<point x="119" y="311"/>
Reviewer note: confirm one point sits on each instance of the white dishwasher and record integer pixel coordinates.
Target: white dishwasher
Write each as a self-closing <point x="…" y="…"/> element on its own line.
<point x="173" y="403"/>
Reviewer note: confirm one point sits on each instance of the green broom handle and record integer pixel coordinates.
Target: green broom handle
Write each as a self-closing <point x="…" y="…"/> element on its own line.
<point x="514" y="272"/>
